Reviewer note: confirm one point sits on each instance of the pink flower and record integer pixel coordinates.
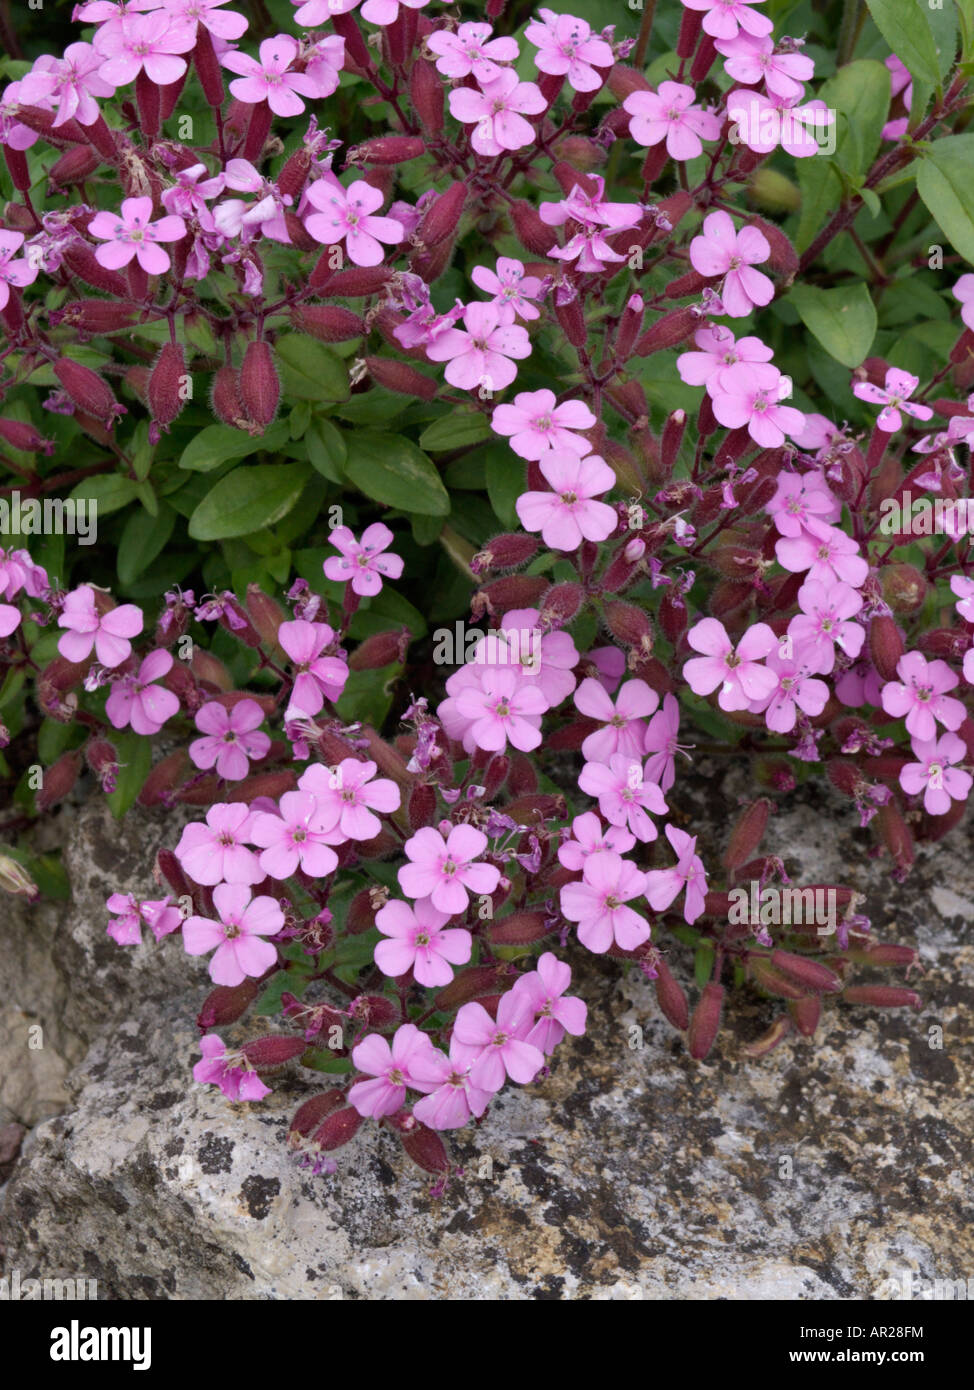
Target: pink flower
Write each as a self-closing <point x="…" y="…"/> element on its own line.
<point x="268" y="78"/>
<point x="963" y="291"/>
<point x="550" y="664"/>
<point x="418" y="942"/>
<point x="239" y="952"/>
<point x="390" y="1066"/>
<point x="670" y="115"/>
<point x="218" y="851"/>
<point x="348" y="796"/>
<point x="511" y="288"/>
<point x="623" y="728"/>
<point x="893" y="398"/>
<point x="663" y="886"/>
<point x="9" y="619"/>
<point x="13" y="271"/>
<point x="70" y="83"/>
<point x="444" y="870"/>
<point x="803" y="502"/>
<point x="590" y="837"/>
<point x="823" y="624"/>
<point x="661" y="743"/>
<point x="723" y="251"/>
<point x="324" y="65"/>
<point x="230" y="1071"/>
<point x="479" y="356"/>
<point x="348" y="214"/>
<point x="830" y="558"/>
<point x="796" y="691"/>
<point x="859" y="686"/>
<point x="363" y="562"/>
<point x="107" y="632"/>
<point x="597" y="904"/>
<point x="135" y="700"/>
<point x="717" y="353"/>
<point x="130" y="233"/>
<point x="543" y="991"/>
<point x="900" y="81"/>
<point x="936" y="774"/>
<point x="314" y="13"/>
<point x="536" y="424"/>
<point x="749" y="59"/>
<point x="454" y="1098"/>
<point x="566" y="46"/>
<point x="736" y="670"/>
<point x="969" y="666"/>
<point x="232" y="738"/>
<point x="222" y="24"/>
<point x="144" y="42"/>
<point x="762" y="123"/>
<point x="919" y="694"/>
<point x="569" y="513"/>
<point x="496" y="1050"/>
<point x="501" y="708"/>
<point x="498" y="112"/>
<point x="963" y="589"/>
<point x="386" y="12"/>
<point x="625" y="794"/>
<point x="590" y="208"/>
<point x="726" y="18"/>
<point x="129" y="914"/>
<point x="293" y="838"/>
<point x="471" y="50"/>
<point x="318" y="678"/>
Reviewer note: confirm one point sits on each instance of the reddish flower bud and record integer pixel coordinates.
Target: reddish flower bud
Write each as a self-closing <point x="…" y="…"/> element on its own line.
<point x="690" y="283"/>
<point x="88" y="390"/>
<point x="533" y="234"/>
<point x="388" y="149"/>
<point x="209" y="669"/>
<point x="561" y="604"/>
<point x="102" y="758"/>
<point x="425" y="1147"/>
<point x="671" y="997"/>
<point x="895" y="834"/>
<point x="904" y="587"/>
<point x="422" y="805"/>
<point x="504" y="552"/>
<point x="747" y="834"/>
<point x="260" y="389"/>
<point x="885" y="646"/>
<point x="381" y="649"/>
<point x="226" y="1004"/>
<point x="74" y="166"/>
<point x="273" y="1051"/>
<point x="442" y="218"/>
<point x="768" y="1041"/>
<point x="629" y="326"/>
<point x="510" y="591"/>
<point x="520" y="929"/>
<point x="357" y="282"/>
<point x="630" y="625"/>
<point x="844" y="775"/>
<point x="809" y="973"/>
<point x="58" y="780"/>
<point x="159" y="787"/>
<point x="167" y="383"/>
<point x="97" y="316"/>
<point x="426" y="93"/>
<point x="668" y="331"/>
<point x="672" y="438"/>
<point x="624" y="80"/>
<point x="25" y="437"/>
<point x="705" y="1022"/>
<point x="265" y="614"/>
<point x="477" y="982"/>
<point x="883" y="996"/>
<point x="571" y="320"/>
<point x="329" y="323"/>
<point x="401" y="377"/>
<point x="309" y="1116"/>
<point x="773" y="981"/>
<point x="337" y="1130"/>
<point x="806" y="1014"/>
<point x="225" y="399"/>
<point x="947" y="643"/>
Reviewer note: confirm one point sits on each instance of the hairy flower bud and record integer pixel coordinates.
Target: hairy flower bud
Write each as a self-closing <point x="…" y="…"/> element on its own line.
<point x="381" y="649"/>
<point x="883" y="996"/>
<point x="630" y="625"/>
<point x="74" y="166"/>
<point x="425" y="1147"/>
<point x="340" y="1127"/>
<point x="309" y="1116"/>
<point x="747" y="834"/>
<point x="88" y="390"/>
<point x="329" y="323"/>
<point x="885" y="646"/>
<point x="225" y="1004"/>
<point x="265" y="614"/>
<point x="705" y="1022"/>
<point x="58" y="780"/>
<point x="25" y="437"/>
<point x="533" y="234"/>
<point x="260" y="388"/>
<point x="167" y="384"/>
<point x="895" y="834"/>
<point x="401" y="377"/>
<point x="668" y="331"/>
<point x="561" y="604"/>
<point x="426" y="93"/>
<point x="388" y="149"/>
<point x="904" y="587"/>
<point x="671" y="997"/>
<point x="809" y="973"/>
<point x="442" y="218"/>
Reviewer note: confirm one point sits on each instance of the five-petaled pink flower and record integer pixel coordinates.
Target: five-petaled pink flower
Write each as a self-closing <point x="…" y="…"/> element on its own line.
<point x="894" y="397"/>
<point x="419" y="939"/>
<point x="511" y="288"/>
<point x="569" y="513"/>
<point x="471" y="50"/>
<point x="670" y="114"/>
<point x="495" y="1049"/>
<point x="71" y="83"/>
<point x="237" y="1080"/>
<point x="751" y="394"/>
<point x="148" y="43"/>
<point x="232" y="738"/>
<point x="108" y="633"/>
<point x="920" y="695"/>
<point x="664" y="885"/>
<point x="662" y="745"/>
<point x="292" y="839"/>
<point x="317" y="678"/>
<point x="268" y="78"/>
<point x="444" y="870"/>
<point x="390" y="1066"/>
<point x="737" y="670"/>
<point x="137" y="701"/>
<point x="348" y="214"/>
<point x="363" y="562"/>
<point x="725" y="19"/>
<point x="717" y="351"/>
<point x="625" y="794"/>
<point x="218" y="851"/>
<point x="750" y="59"/>
<point x="723" y="251"/>
<point x="131" y="232"/>
<point x="14" y="270"/>
<point x="497" y="112"/>
<point x="589" y="836"/>
<point x="240" y="951"/>
<point x="598" y="903"/>
<point x="555" y="1015"/>
<point x="797" y="690"/>
<point x="502" y="707"/>
<point x="937" y="774"/>
<point x="623" y="727"/>
<point x="536" y="425"/>
<point x="830" y="557"/>
<point x="567" y="47"/>
<point x="825" y="623"/>
<point x="348" y="796"/>
<point x="478" y="355"/>
<point x="453" y="1097"/>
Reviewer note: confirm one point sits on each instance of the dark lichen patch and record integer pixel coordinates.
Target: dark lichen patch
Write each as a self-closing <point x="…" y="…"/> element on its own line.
<point x="258" y="1193"/>
<point x="215" y="1153"/>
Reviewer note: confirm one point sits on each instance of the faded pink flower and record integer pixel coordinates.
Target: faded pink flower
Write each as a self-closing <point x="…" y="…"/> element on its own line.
<point x="894" y="397"/>
<point x="230" y="1071"/>
<point x="236" y="939"/>
<point x="70" y="84"/>
<point x="536" y="425"/>
<point x="663" y="886"/>
<point x="232" y="738"/>
<point x="478" y="355"/>
<point x="569" y="513"/>
<point x="135" y="700"/>
<point x="363" y="562"/>
<point x="129" y="914"/>
<point x="598" y="904"/>
<point x="419" y="940"/>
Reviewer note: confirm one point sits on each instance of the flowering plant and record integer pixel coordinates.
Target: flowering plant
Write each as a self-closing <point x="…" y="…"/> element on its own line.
<point x="239" y="280"/>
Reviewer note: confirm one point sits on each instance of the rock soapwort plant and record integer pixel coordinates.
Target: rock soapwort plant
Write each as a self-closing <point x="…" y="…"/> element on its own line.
<point x="633" y="346"/>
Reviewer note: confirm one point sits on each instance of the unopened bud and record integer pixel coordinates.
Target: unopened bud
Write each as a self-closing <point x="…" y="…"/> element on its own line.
<point x="88" y="390"/>
<point x="668" y="331"/>
<point x="883" y="996"/>
<point x="561" y="604"/>
<point x="810" y="973"/>
<point x="59" y="780"/>
<point x="671" y="997"/>
<point x="747" y="834"/>
<point x="381" y="649"/>
<point x="425" y="1147"/>
<point x="520" y="929"/>
<point x="265" y="614"/>
<point x="337" y="1129"/>
<point x="25" y="437"/>
<point x="15" y="879"/>
<point x="705" y="1022"/>
<point x="226" y="1004"/>
<point x="531" y="232"/>
<point x="329" y="323"/>
<point x="426" y="93"/>
<point x="260" y="389"/>
<point x="806" y="1014"/>
<point x="401" y="377"/>
<point x="885" y="646"/>
<point x="167" y="382"/>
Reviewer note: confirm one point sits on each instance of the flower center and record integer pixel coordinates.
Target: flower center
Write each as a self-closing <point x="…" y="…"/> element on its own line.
<point x="569" y="498"/>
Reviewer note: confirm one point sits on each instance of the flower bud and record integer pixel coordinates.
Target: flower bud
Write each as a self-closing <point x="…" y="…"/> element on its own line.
<point x="747" y="834"/>
<point x="883" y="996"/>
<point x="357" y="282"/>
<point x="401" y="377"/>
<point x="25" y="437"/>
<point x="167" y="381"/>
<point x="668" y="331"/>
<point x="159" y="787"/>
<point x="265" y="614"/>
<point x="773" y="191"/>
<point x="474" y="983"/>
<point x="630" y="625"/>
<point x="102" y="758"/>
<point x="773" y="981"/>
<point x="624" y="80"/>
<point x="510" y="591"/>
<point x="885" y="646"/>
<point x="273" y="1051"/>
<point x="80" y="260"/>
<point x="15" y="879"/>
<point x="422" y="805"/>
<point x="520" y="929"/>
<point x="309" y="1116"/>
<point x="388" y="149"/>
<point x="58" y="780"/>
<point x="810" y="973"/>
<point x="209" y="669"/>
<point x="426" y="94"/>
<point x="806" y="1014"/>
<point x="260" y="389"/>
<point x="225" y="398"/>
<point x="336" y="1131"/>
<point x="705" y="1022"/>
<point x="88" y="390"/>
<point x="329" y="323"/>
<point x="381" y="649"/>
<point x="895" y="834"/>
<point x="495" y="776"/>
<point x="671" y="997"/>
<point x="74" y="166"/>
<point x="425" y="1147"/>
<point x="97" y="316"/>
<point x="561" y="604"/>
<point x="784" y="257"/>
<point x="690" y="283"/>
<point x="226" y="1004"/>
<point x="533" y="234"/>
<point x="629" y="326"/>
<point x="904" y="587"/>
<point x="571" y="320"/>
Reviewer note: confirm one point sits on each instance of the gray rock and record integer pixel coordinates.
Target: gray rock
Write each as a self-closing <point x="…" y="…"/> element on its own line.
<point x="824" y="1171"/>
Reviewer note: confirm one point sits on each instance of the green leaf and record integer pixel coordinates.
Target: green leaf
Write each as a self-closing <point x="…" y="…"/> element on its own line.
<point x="309" y="370"/>
<point x="903" y="24"/>
<point x="134" y="766"/>
<point x="859" y="93"/>
<point x="392" y="469"/>
<point x="143" y="538"/>
<point x="454" y="431"/>
<point x="505" y="483"/>
<point x="945" y="184"/>
<point x="248" y="499"/>
<point x="109" y="493"/>
<point x="217" y="444"/>
<point x="843" y="319"/>
<point x="326" y="449"/>
<point x="821" y="190"/>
